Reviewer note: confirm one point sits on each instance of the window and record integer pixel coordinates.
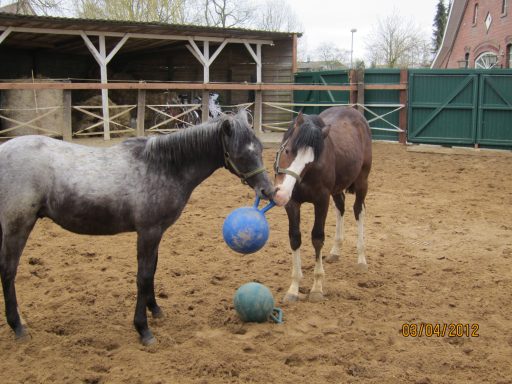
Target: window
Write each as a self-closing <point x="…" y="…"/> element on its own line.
<point x="486" y="60"/>
<point x="466" y="59"/>
<point x="504" y="6"/>
<point x="508" y="56"/>
<point x="475" y="13"/>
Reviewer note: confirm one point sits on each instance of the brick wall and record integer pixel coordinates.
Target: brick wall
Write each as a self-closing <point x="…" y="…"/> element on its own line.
<point x="473" y="38"/>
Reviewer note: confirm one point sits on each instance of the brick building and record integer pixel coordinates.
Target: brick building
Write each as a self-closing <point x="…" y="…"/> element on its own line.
<point x="478" y="35"/>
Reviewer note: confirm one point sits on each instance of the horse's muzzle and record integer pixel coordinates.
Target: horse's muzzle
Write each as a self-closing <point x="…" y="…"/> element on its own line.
<point x="266" y="193"/>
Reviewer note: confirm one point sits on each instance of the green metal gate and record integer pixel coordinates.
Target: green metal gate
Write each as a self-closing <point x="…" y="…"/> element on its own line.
<point x="321" y="97"/>
<point x="381" y="106"/>
<point x="495" y="110"/>
<point x="460" y="107"/>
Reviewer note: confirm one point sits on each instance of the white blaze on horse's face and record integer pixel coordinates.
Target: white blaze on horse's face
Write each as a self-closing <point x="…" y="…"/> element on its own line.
<point x="285" y="188"/>
<point x="251" y="147"/>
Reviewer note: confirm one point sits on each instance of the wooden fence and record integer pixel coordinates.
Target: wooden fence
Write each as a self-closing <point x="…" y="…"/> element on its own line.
<point x="355" y="87"/>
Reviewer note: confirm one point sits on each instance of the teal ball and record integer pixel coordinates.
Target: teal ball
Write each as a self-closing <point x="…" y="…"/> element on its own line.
<point x="253" y="303"/>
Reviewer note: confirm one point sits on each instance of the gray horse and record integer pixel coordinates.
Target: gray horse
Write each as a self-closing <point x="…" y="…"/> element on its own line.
<point x="140" y="185"/>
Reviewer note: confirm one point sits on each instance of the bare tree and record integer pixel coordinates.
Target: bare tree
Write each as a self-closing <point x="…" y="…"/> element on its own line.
<point x="38" y="7"/>
<point x="277" y="15"/>
<point x="396" y="42"/>
<point x="165" y="11"/>
<point x="333" y="56"/>
<point x="221" y="13"/>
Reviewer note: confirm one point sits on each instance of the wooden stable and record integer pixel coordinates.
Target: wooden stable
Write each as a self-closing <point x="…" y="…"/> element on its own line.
<point x="132" y="62"/>
<point x="82" y="51"/>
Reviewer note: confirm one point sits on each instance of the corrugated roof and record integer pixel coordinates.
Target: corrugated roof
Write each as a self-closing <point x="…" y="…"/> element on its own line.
<point x="30" y="21"/>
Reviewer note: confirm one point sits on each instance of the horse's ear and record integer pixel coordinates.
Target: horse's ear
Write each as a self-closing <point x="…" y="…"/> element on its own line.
<point x="326" y="130"/>
<point x="226" y="127"/>
<point x="300" y="119"/>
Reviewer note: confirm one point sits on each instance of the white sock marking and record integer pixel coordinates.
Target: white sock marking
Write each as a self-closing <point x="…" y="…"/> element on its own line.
<point x="296" y="273"/>
<point x="338" y="235"/>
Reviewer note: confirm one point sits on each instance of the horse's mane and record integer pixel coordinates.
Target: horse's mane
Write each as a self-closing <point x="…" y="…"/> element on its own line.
<point x="309" y="135"/>
<point x="178" y="148"/>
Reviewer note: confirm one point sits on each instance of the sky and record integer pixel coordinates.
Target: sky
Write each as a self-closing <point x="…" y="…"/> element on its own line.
<point x="332" y="20"/>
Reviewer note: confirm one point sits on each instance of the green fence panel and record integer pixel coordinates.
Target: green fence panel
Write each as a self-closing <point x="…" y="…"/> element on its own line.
<point x="447" y="107"/>
<point x="495" y="110"/>
<point x="442" y="106"/>
<point x="340" y="77"/>
<point x="376" y="101"/>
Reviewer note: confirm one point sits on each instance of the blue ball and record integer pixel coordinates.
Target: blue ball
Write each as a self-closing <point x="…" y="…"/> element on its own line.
<point x="253" y="302"/>
<point x="245" y="230"/>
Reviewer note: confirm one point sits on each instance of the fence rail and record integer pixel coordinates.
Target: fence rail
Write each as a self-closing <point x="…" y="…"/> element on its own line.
<point x="454" y="107"/>
<point x="352" y="87"/>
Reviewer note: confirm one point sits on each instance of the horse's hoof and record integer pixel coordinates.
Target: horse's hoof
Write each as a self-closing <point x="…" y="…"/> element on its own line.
<point x="362" y="267"/>
<point x="332" y="258"/>
<point x="148" y="340"/>
<point x="290" y="298"/>
<point x="22" y="335"/>
<point x="316" y="297"/>
<point x="158" y="314"/>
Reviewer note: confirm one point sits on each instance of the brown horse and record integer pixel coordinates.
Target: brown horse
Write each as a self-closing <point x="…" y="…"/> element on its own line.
<point x="322" y="156"/>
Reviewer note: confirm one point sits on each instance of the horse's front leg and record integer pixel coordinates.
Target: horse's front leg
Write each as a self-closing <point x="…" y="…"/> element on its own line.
<point x="147" y="251"/>
<point x="293" y="212"/>
<point x="155" y="309"/>
<point x="318" y="237"/>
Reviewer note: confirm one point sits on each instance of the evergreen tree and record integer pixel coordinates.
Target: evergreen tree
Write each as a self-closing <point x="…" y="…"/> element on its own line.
<point x="439" y="25"/>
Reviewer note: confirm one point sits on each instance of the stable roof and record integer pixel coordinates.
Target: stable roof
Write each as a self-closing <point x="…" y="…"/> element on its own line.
<point x="60" y="33"/>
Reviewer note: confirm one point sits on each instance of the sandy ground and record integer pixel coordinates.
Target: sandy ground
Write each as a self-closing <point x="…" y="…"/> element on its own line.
<point x="439" y="247"/>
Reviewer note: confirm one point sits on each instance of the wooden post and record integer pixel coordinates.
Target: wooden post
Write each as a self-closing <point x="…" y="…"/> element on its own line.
<point x="206" y="106"/>
<point x="402" y="116"/>
<point x="141" y="111"/>
<point x="294" y="53"/>
<point x="67" y="131"/>
<point x="352" y="79"/>
<point x="258" y="112"/>
<point x="360" y="90"/>
<point x="104" y="92"/>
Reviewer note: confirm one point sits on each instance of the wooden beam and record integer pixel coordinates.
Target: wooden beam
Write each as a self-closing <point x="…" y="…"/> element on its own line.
<point x="92" y="48"/>
<point x="104" y="91"/>
<point x="353" y="92"/>
<point x="397" y="87"/>
<point x="139" y="35"/>
<point x="206" y="65"/>
<point x="196" y="51"/>
<point x="217" y="52"/>
<point x="294" y="53"/>
<point x="4" y="34"/>
<point x="205" y="107"/>
<point x="116" y="49"/>
<point x="141" y="108"/>
<point x="360" y="90"/>
<point x="67" y="130"/>
<point x="258" y="112"/>
<point x="257" y="58"/>
<point x="189" y="86"/>
<point x="402" y="115"/>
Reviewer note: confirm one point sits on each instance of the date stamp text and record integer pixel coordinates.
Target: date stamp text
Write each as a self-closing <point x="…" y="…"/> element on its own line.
<point x="440" y="329"/>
